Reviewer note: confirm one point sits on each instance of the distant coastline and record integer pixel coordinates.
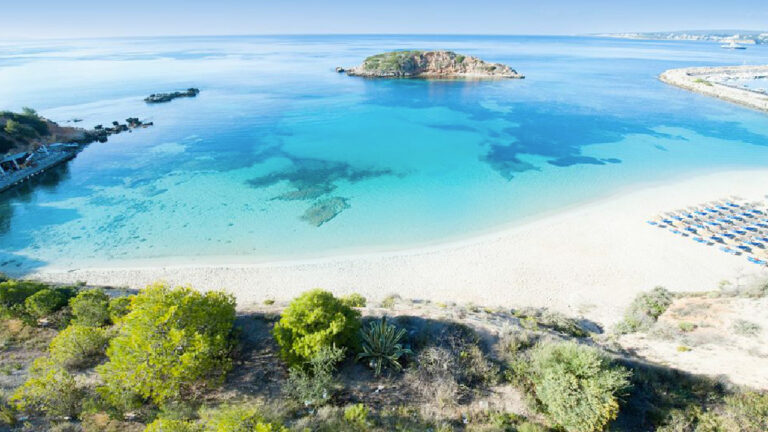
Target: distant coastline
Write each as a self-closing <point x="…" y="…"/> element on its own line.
<point x="711" y="81"/>
<point x="746" y="37"/>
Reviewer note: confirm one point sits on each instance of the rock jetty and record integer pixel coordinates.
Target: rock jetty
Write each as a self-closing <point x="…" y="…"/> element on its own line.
<point x="31" y="144"/>
<point x="430" y="64"/>
<point x="722" y="83"/>
<point x="167" y="97"/>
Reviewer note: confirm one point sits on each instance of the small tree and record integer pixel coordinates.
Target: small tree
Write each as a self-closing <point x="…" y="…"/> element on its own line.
<point x="90" y="308"/>
<point x="50" y="390"/>
<point x="172" y="344"/>
<point x="577" y="385"/>
<point x="78" y="346"/>
<point x="45" y="302"/>
<point x="119" y="307"/>
<point x="313" y="321"/>
<point x="13" y="292"/>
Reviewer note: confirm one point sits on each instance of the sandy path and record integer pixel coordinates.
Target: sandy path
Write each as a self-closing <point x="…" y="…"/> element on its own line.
<point x="589" y="260"/>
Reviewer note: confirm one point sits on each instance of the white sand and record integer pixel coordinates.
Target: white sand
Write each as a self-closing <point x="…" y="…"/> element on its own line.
<point x="590" y="260"/>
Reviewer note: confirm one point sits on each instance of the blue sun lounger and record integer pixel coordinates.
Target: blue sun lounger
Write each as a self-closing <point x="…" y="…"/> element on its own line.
<point x="756" y="261"/>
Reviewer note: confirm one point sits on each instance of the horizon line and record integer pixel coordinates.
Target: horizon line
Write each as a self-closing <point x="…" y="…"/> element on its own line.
<point x="599" y="34"/>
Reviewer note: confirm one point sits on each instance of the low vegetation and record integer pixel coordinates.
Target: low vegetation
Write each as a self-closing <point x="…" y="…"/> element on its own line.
<point x="174" y="359"/>
<point x="313" y="321"/>
<point x="645" y="310"/>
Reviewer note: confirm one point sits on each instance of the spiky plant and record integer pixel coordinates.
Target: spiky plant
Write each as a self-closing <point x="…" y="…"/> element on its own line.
<point x="382" y="347"/>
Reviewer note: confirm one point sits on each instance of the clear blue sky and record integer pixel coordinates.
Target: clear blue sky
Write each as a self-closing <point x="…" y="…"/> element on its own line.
<point x="88" y="18"/>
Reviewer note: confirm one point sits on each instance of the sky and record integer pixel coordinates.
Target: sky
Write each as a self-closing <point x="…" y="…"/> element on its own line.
<point x="110" y="18"/>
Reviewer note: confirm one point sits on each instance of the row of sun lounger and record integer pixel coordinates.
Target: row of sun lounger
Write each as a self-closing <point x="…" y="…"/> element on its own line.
<point x="740" y="228"/>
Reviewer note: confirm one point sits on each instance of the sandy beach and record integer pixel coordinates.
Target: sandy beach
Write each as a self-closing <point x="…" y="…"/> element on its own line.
<point x="590" y="260"/>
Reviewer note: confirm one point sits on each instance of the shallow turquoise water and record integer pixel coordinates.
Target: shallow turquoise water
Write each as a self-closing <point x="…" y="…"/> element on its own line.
<point x="416" y="161"/>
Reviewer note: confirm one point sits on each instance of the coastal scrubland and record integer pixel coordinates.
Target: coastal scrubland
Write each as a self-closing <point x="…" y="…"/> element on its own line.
<point x="78" y="358"/>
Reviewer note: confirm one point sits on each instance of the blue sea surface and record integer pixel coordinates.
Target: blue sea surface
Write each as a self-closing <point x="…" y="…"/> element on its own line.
<point x="276" y="134"/>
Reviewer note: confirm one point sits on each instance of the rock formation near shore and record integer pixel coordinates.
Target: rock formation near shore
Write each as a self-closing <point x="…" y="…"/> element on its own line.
<point x="167" y="97"/>
<point x="430" y="64"/>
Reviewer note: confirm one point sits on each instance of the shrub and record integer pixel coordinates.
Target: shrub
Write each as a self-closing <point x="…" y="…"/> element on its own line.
<point x="79" y="346"/>
<point x="315" y="385"/>
<point x="577" y="386"/>
<point x="14" y="293"/>
<point x="173" y="344"/>
<point x="454" y="364"/>
<point x="686" y="326"/>
<point x="357" y="416"/>
<point x="747" y="412"/>
<point x="119" y="307"/>
<point x="354" y="300"/>
<point x="239" y="418"/>
<point x="90" y="308"/>
<point x="552" y="320"/>
<point x="746" y="328"/>
<point x="167" y="425"/>
<point x="50" y="390"/>
<point x="389" y="301"/>
<point x="313" y="321"/>
<point x="645" y="310"/>
<point x="382" y="347"/>
<point x="46" y="301"/>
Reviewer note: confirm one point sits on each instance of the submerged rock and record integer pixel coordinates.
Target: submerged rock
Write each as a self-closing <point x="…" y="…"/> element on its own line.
<point x="430" y="64"/>
<point x="324" y="210"/>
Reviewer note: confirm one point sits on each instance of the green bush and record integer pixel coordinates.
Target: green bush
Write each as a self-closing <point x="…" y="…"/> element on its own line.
<point x="14" y="292"/>
<point x="173" y="344"/>
<point x="577" y="386"/>
<point x="747" y="412"/>
<point x="166" y="425"/>
<point x="46" y="301"/>
<point x="357" y="416"/>
<point x="354" y="300"/>
<point x="50" y="390"/>
<point x="119" y="307"/>
<point x="313" y="321"/>
<point x="382" y="347"/>
<point x="78" y="347"/>
<point x="90" y="308"/>
<point x="645" y="310"/>
<point x="239" y="418"/>
<point x="315" y="385"/>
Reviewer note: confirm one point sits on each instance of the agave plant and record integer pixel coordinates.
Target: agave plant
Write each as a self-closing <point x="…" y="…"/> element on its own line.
<point x="381" y="345"/>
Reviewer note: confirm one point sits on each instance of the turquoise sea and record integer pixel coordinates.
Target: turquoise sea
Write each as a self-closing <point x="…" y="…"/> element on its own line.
<point x="276" y="132"/>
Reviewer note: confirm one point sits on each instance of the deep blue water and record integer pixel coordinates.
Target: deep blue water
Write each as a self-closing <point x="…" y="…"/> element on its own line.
<point x="275" y="132"/>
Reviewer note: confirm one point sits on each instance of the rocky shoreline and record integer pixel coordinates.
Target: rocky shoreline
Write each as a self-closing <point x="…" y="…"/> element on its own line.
<point x="714" y="82"/>
<point x="429" y="64"/>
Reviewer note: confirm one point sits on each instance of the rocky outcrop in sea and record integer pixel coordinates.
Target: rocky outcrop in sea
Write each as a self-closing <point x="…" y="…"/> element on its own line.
<point x="167" y="97"/>
<point x="430" y="64"/>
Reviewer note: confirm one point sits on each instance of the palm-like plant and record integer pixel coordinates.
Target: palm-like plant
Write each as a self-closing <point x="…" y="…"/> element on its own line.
<point x="381" y="345"/>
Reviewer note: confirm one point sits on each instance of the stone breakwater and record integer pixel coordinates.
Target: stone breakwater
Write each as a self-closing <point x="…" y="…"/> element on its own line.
<point x="429" y="64"/>
<point x="712" y="81"/>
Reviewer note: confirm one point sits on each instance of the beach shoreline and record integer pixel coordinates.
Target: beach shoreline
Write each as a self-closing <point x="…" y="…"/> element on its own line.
<point x="589" y="260"/>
